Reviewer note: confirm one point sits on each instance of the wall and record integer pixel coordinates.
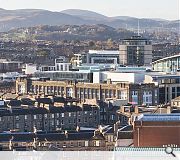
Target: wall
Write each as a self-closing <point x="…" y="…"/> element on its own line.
<point x="156" y="134"/>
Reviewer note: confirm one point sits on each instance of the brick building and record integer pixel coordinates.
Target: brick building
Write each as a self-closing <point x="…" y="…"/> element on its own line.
<point x="157" y="130"/>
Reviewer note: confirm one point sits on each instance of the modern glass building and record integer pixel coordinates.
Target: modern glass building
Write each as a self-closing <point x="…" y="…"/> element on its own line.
<point x="135" y="51"/>
<point x="168" y="64"/>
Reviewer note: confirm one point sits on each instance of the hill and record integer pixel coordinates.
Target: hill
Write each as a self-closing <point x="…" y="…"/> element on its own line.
<point x="11" y="19"/>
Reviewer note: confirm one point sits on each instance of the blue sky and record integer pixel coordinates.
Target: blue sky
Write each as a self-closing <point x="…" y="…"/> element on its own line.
<point x="167" y="9"/>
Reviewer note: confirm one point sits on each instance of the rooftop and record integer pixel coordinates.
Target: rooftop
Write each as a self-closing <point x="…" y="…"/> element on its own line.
<point x="166" y="58"/>
<point x="159" y="117"/>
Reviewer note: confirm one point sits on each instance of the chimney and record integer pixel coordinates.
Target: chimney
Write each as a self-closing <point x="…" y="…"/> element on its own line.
<point x="100" y="129"/>
<point x="77" y="128"/>
<point x="66" y="134"/>
<point x="96" y="132"/>
<point x="136" y="110"/>
<point x="116" y="127"/>
<point x="169" y="110"/>
<point x="11" y="144"/>
<point x="122" y="109"/>
<point x="35" y="129"/>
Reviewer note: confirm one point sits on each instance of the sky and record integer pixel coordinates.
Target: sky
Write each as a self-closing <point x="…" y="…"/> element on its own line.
<point x="165" y="9"/>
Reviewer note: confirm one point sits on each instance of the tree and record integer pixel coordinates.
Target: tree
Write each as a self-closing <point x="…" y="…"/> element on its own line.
<point x="91" y="44"/>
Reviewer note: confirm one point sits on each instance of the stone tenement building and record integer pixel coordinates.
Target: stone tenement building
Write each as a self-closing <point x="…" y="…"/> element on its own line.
<point x="77" y="140"/>
<point x="23" y="115"/>
<point x="80" y="91"/>
<point x="138" y="93"/>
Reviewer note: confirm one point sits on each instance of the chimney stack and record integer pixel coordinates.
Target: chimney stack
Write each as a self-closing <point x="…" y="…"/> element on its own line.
<point x="169" y="110"/>
<point x="66" y="134"/>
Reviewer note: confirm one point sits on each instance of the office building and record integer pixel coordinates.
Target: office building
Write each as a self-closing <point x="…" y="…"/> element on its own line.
<point x="168" y="64"/>
<point x="135" y="51"/>
<point x="97" y="57"/>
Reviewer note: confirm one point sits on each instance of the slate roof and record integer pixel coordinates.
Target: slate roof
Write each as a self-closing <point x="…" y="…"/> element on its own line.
<point x="29" y="136"/>
<point x="59" y="99"/>
<point x="175" y="111"/>
<point x="44" y="100"/>
<point x="17" y="137"/>
<point x="27" y="101"/>
<point x="125" y="133"/>
<point x="14" y="103"/>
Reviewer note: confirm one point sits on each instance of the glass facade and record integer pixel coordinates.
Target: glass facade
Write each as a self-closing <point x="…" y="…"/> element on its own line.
<point x="169" y="64"/>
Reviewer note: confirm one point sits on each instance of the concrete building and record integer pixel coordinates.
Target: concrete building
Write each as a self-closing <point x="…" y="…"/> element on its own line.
<point x="168" y="84"/>
<point x="135" y="51"/>
<point x="30" y="69"/>
<point x="157" y="130"/>
<point x="61" y="64"/>
<point x="97" y="57"/>
<point x="117" y="77"/>
<point x="168" y="64"/>
<point x="76" y="76"/>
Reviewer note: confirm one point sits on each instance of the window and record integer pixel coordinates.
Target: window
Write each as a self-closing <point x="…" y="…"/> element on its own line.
<point x="35" y="117"/>
<point x="62" y="122"/>
<point x="52" y="122"/>
<point x="0" y="118"/>
<point x="97" y="143"/>
<point x="57" y="144"/>
<point x="25" y="117"/>
<point x="52" y="115"/>
<point x="72" y="144"/>
<point x="57" y="122"/>
<point x="17" y="125"/>
<point x="86" y="143"/>
<point x="70" y="114"/>
<point x="57" y="114"/>
<point x="85" y="119"/>
<point x="17" y="118"/>
<point x="64" y="144"/>
<point x="62" y="114"/>
<point x="79" y="144"/>
<point x="45" y="116"/>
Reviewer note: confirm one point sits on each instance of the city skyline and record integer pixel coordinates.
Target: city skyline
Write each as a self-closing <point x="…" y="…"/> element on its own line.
<point x="140" y="8"/>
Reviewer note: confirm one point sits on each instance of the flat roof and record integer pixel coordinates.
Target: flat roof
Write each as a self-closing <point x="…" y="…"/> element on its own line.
<point x="104" y="52"/>
<point x="159" y="117"/>
<point x="166" y="58"/>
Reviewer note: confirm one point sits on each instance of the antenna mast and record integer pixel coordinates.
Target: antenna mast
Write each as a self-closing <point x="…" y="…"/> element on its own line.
<point x="138" y="27"/>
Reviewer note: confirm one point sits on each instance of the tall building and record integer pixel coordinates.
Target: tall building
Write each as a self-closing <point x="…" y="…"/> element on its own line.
<point x="135" y="51"/>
